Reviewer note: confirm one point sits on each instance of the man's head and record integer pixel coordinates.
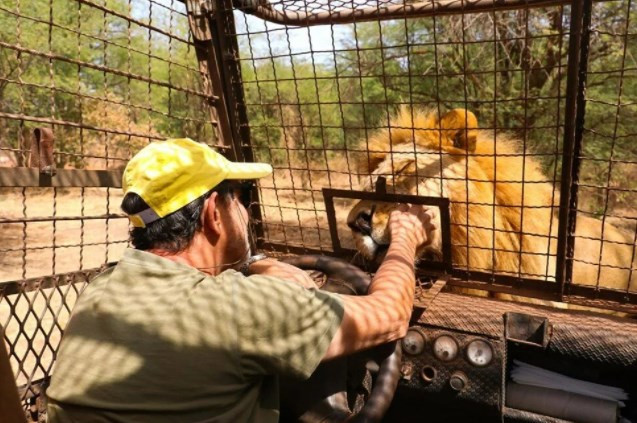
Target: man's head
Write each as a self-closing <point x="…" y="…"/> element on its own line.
<point x="177" y="189"/>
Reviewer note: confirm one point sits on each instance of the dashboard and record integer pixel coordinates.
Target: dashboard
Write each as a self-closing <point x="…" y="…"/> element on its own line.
<point x="459" y="354"/>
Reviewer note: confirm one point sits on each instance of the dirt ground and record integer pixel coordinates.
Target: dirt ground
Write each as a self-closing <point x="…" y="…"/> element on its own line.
<point x="54" y="247"/>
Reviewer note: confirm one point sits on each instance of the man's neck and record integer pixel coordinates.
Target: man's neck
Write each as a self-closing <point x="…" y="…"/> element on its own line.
<point x="199" y="254"/>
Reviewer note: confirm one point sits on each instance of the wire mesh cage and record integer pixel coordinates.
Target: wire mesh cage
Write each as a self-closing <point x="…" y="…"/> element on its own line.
<point x="338" y="93"/>
<point x="519" y="111"/>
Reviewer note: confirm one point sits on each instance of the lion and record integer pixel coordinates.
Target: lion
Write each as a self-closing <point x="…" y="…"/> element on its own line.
<point x="498" y="223"/>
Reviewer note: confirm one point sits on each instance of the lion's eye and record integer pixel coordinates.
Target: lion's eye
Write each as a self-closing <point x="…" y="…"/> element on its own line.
<point x="362" y="223"/>
<point x="457" y="140"/>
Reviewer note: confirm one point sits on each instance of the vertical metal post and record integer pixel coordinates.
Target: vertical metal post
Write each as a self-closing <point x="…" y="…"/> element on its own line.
<point x="227" y="49"/>
<point x="573" y="131"/>
<point x="199" y="17"/>
<point x="227" y="52"/>
<point x="219" y="51"/>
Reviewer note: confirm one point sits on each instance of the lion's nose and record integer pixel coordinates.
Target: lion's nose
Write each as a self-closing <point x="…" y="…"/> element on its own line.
<point x="362" y="223"/>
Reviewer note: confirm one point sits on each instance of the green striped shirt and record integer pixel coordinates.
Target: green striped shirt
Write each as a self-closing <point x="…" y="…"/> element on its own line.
<point x="152" y="340"/>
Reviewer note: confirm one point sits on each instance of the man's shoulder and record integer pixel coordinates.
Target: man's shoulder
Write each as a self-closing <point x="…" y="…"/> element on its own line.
<point x="259" y="290"/>
<point x="266" y="282"/>
<point x="96" y="283"/>
<point x="105" y="273"/>
<point x="235" y="277"/>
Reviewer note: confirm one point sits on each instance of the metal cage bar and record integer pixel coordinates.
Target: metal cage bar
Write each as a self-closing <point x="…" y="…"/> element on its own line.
<point x="578" y="19"/>
<point x="384" y="10"/>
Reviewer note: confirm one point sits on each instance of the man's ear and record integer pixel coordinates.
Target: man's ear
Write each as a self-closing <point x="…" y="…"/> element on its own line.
<point x="460" y="126"/>
<point x="210" y="215"/>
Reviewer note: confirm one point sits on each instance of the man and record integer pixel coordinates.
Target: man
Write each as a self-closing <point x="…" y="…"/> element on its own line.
<point x="173" y="333"/>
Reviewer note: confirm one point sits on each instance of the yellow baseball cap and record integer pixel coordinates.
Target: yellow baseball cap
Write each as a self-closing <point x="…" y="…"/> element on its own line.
<point x="169" y="174"/>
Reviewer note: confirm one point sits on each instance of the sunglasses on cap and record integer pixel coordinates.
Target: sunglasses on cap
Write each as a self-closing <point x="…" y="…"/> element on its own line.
<point x="243" y="193"/>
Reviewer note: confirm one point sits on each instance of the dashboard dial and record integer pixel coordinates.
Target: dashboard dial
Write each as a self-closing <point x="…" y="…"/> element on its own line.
<point x="445" y="348"/>
<point x="479" y="353"/>
<point x="413" y="342"/>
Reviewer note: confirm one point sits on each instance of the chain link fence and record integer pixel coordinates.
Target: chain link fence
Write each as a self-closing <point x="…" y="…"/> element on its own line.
<point x="106" y="77"/>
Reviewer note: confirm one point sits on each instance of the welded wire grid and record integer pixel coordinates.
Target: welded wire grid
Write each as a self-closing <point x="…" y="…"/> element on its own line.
<point x="107" y="77"/>
<point x="317" y="95"/>
<point x="608" y="184"/>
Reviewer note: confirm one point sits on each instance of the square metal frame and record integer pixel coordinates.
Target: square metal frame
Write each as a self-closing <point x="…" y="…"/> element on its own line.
<point x="381" y="195"/>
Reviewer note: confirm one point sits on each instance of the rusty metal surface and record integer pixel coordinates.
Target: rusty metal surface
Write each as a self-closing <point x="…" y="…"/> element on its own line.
<point x="590" y="296"/>
<point x="572" y="142"/>
<point x="53" y="281"/>
<point x="577" y="150"/>
<point x="593" y="337"/>
<point x="42" y="144"/>
<point x="228" y="72"/>
<point x="198" y="15"/>
<point x="427" y="291"/>
<point x="62" y="218"/>
<point x="153" y="81"/>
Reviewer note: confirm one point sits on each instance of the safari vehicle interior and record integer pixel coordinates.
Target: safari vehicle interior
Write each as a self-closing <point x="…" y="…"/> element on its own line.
<point x="514" y="119"/>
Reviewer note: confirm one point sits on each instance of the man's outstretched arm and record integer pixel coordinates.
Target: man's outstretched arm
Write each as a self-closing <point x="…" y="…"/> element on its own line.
<point x="383" y="315"/>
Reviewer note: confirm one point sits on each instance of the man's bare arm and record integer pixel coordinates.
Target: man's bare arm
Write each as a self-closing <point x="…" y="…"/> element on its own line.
<point x="383" y="315"/>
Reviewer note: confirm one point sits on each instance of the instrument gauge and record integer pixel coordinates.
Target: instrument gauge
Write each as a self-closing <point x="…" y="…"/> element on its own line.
<point x="414" y="342"/>
<point x="479" y="353"/>
<point x="445" y="348"/>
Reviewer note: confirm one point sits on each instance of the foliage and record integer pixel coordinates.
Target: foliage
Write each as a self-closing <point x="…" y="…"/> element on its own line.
<point x="507" y="67"/>
<point x="112" y="104"/>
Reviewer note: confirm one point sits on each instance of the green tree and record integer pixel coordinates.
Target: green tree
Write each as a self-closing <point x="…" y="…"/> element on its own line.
<point x="71" y="62"/>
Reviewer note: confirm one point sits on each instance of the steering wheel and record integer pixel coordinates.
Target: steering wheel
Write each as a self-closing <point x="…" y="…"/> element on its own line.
<point x="329" y="396"/>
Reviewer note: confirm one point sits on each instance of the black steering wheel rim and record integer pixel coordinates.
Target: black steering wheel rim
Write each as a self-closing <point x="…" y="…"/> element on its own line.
<point x="388" y="376"/>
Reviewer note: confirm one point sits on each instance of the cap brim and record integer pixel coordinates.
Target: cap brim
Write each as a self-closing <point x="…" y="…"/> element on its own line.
<point x="248" y="170"/>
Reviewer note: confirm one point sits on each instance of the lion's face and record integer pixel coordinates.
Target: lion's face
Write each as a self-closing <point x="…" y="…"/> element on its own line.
<point x="368" y="222"/>
<point x="411" y="168"/>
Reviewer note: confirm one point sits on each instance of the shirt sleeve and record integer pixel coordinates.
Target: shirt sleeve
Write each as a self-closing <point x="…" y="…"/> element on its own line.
<point x="282" y="327"/>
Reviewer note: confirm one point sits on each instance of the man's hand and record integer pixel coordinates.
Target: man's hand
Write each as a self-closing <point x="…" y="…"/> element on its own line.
<point x="278" y="269"/>
<point x="412" y="223"/>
